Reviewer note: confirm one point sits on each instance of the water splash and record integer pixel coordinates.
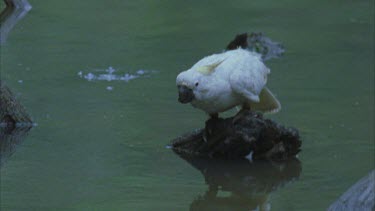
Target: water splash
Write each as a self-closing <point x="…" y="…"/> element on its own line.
<point x="109" y="74"/>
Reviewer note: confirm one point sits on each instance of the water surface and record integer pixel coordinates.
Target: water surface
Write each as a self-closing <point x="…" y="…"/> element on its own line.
<point x="101" y="149"/>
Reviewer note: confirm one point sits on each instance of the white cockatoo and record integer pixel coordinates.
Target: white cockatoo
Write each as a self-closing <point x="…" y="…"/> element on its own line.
<point x="222" y="81"/>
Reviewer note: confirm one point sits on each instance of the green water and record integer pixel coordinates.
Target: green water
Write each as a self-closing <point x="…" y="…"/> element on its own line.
<point x="96" y="149"/>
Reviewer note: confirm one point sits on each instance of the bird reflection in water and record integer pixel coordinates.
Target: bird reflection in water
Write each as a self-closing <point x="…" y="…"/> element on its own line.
<point x="241" y="184"/>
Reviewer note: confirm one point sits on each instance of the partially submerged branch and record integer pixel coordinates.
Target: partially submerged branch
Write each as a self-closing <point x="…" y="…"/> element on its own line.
<point x="12" y="113"/>
<point x="15" y="10"/>
<point x="361" y="196"/>
<point x="257" y="42"/>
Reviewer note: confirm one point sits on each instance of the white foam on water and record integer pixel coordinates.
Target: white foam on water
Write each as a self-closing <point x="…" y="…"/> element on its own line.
<point x="140" y="72"/>
<point x="89" y="77"/>
<point x="110" y="70"/>
<point x="109" y="75"/>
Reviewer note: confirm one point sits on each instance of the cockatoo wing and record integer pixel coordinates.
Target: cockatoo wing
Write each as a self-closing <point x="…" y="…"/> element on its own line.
<point x="248" y="76"/>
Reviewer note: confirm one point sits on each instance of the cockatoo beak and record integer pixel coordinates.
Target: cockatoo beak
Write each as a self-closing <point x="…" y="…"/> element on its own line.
<point x="185" y="94"/>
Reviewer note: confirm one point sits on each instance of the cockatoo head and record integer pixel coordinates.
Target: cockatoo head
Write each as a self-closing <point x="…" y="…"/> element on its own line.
<point x="195" y="83"/>
<point x="190" y="85"/>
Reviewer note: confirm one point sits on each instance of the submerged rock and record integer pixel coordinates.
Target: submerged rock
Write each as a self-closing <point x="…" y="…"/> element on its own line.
<point x="246" y="135"/>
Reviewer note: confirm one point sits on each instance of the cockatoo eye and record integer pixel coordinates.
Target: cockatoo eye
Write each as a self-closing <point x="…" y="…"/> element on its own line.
<point x="196" y="84"/>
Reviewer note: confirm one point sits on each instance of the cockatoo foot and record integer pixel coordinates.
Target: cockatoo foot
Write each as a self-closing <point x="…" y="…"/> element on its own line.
<point x="214" y="116"/>
<point x="244" y="110"/>
<point x="246" y="106"/>
<point x="210" y="125"/>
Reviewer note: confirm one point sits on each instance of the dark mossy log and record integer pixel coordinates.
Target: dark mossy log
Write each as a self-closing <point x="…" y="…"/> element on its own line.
<point x="361" y="196"/>
<point x="10" y="139"/>
<point x="246" y="184"/>
<point x="257" y="42"/>
<point x="12" y="113"/>
<point x="247" y="134"/>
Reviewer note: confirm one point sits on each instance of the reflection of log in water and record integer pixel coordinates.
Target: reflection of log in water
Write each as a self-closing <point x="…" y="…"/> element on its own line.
<point x="15" y="10"/>
<point x="10" y="139"/>
<point x="241" y="184"/>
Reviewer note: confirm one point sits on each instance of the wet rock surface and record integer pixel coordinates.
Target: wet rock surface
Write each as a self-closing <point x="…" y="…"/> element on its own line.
<point x="247" y="134"/>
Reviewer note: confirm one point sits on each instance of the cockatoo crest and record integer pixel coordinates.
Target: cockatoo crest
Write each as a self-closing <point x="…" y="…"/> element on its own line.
<point x="208" y="69"/>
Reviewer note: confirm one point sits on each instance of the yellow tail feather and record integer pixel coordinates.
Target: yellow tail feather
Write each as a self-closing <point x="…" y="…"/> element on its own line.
<point x="268" y="102"/>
